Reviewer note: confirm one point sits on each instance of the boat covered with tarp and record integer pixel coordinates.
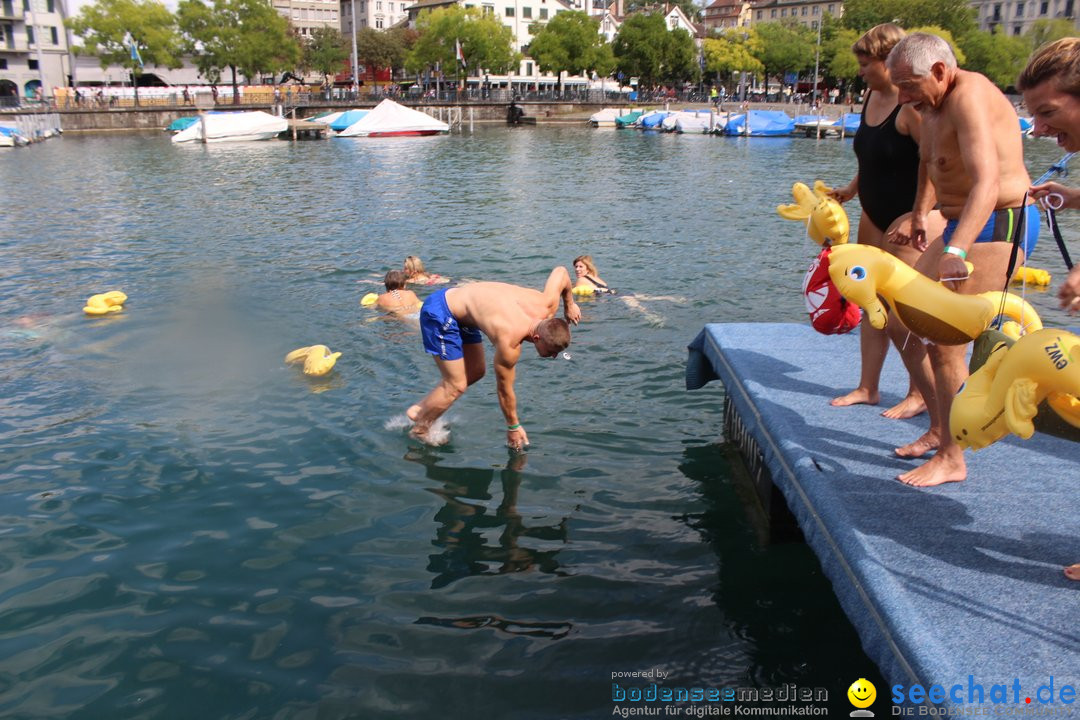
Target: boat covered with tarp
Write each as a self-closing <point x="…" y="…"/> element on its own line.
<point x="652" y="120"/>
<point x="233" y="127"/>
<point x="694" y="121"/>
<point x="182" y="123"/>
<point x="389" y="119"/>
<point x="347" y="118"/>
<point x="760" y="123"/>
<point x="628" y="119"/>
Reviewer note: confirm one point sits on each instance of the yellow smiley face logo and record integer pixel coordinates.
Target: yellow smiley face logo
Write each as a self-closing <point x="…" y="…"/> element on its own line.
<point x="862" y="693"/>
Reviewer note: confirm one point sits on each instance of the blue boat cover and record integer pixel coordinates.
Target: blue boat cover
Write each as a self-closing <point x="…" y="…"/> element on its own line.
<point x="653" y="120"/>
<point x="763" y="123"/>
<point x="182" y="123"/>
<point x="851" y="123"/>
<point x="346" y="119"/>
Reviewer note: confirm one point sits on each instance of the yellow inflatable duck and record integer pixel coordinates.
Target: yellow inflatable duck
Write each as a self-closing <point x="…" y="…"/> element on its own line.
<point x="1031" y="276"/>
<point x="369" y="299"/>
<point x="1003" y="395"/>
<point x="581" y="290"/>
<point x="105" y="303"/>
<point x="866" y="275"/>
<point x="317" y="359"/>
<point x="826" y="221"/>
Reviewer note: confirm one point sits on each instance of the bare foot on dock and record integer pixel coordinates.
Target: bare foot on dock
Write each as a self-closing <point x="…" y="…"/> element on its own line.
<point x="1073" y="572"/>
<point x="909" y="407"/>
<point x="858" y="396"/>
<point x="937" y="470"/>
<point x="920" y="447"/>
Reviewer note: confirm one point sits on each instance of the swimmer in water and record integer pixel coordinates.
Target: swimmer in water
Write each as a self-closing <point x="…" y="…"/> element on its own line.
<point x="587" y="276"/>
<point x="417" y="275"/>
<point x="397" y="300"/>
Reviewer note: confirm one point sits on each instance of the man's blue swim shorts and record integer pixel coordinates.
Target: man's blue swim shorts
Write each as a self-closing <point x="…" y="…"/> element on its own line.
<point x="442" y="335"/>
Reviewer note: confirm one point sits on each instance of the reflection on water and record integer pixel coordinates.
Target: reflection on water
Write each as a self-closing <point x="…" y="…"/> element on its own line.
<point x="465" y="527"/>
<point x="192" y="528"/>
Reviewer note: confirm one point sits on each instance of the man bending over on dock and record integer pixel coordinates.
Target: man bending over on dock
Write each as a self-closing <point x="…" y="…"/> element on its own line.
<point x="973" y="155"/>
<point x="451" y="323"/>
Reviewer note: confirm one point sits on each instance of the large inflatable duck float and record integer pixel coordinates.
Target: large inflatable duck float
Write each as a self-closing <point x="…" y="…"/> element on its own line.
<point x="317" y="360"/>
<point x="866" y="276"/>
<point x="1003" y="395"/>
<point x="105" y="303"/>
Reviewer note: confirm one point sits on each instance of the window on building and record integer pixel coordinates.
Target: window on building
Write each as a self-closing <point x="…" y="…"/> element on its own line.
<point x="813" y="24"/>
<point x="32" y="64"/>
<point x="7" y="8"/>
<point x="1044" y="7"/>
<point x="526" y="13"/>
<point x="760" y="13"/>
<point x="54" y="36"/>
<point x="831" y="8"/>
<point x="26" y="5"/>
<point x="1019" y="9"/>
<point x="543" y="13"/>
<point x="378" y="24"/>
<point x="772" y="13"/>
<point x="816" y="11"/>
<point x="783" y="12"/>
<point x="804" y="11"/>
<point x="997" y="11"/>
<point x="50" y="5"/>
<point x="378" y="5"/>
<point x="528" y="68"/>
<point x="1069" y="8"/>
<point x="3" y="63"/>
<point x="509" y="12"/>
<point x="29" y="35"/>
<point x="1017" y="29"/>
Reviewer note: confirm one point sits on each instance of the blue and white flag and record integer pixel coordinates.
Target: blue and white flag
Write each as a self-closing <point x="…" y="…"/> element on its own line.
<point x="135" y="56"/>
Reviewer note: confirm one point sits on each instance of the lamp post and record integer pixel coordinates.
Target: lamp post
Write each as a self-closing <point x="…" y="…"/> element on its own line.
<point x="817" y="58"/>
<point x="355" y="62"/>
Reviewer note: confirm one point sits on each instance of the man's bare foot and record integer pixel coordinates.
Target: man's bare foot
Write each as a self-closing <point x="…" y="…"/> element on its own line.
<point x="920" y="447"/>
<point x="909" y="407"/>
<point x="1073" y="572"/>
<point x="858" y="396"/>
<point x="937" y="470"/>
<point x="413" y="412"/>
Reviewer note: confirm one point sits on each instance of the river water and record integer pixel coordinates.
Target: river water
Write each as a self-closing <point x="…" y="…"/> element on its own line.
<point x="192" y="529"/>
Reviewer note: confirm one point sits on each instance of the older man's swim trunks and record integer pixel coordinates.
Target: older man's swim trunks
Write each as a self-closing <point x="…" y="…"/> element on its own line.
<point x="1001" y="227"/>
<point x="442" y="335"/>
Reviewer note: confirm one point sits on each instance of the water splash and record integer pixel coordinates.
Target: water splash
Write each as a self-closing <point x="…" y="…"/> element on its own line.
<point x="437" y="434"/>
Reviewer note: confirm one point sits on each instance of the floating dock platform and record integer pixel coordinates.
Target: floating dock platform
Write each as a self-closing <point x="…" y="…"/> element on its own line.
<point x="959" y="585"/>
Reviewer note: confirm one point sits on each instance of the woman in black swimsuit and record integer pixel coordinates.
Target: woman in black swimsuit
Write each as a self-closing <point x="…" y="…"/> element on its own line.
<point x="887" y="149"/>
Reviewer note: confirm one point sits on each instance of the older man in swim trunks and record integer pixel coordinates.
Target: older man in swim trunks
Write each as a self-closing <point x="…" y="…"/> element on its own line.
<point x="453" y="323"/>
<point x="971" y="151"/>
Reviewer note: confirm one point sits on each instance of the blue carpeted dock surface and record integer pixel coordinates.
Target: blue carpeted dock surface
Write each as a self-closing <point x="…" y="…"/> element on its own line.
<point x="956" y="585"/>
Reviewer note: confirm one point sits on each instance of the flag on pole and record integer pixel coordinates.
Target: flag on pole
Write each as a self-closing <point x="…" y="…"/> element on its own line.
<point x="459" y="54"/>
<point x="134" y="49"/>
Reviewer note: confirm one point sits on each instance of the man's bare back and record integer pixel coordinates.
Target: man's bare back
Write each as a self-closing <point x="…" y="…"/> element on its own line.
<point x="503" y="312"/>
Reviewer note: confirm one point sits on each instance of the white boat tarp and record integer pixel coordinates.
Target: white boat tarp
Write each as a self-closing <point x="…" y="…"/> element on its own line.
<point x="390" y="118"/>
<point x="235" y="126"/>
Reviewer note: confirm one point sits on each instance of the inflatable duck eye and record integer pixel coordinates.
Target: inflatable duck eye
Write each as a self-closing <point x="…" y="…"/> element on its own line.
<point x="962" y="386"/>
<point x="858" y="272"/>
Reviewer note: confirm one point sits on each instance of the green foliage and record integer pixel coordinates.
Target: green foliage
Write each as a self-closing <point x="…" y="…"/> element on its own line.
<point x="837" y="58"/>
<point x="485" y="41"/>
<point x="956" y="16"/>
<point x="379" y="49"/>
<point x="326" y="51"/>
<point x="103" y="25"/>
<point x="646" y="49"/>
<point x="961" y="58"/>
<point x="246" y="36"/>
<point x="571" y="42"/>
<point x="786" y="47"/>
<point x="996" y="55"/>
<point x="1047" y="31"/>
<point x="691" y="9"/>
<point x="731" y="51"/>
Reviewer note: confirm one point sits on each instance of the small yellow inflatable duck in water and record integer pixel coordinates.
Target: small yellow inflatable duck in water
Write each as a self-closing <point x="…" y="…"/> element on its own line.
<point x="105" y="303"/>
<point x="826" y="221"/>
<point x="317" y="360"/>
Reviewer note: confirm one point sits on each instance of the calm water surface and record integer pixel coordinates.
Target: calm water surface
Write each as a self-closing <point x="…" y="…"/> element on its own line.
<point x="191" y="529"/>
